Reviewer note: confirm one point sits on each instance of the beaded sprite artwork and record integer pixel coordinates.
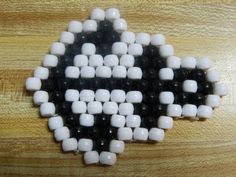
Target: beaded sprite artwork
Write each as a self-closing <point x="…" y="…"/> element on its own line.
<point x="102" y="85"/>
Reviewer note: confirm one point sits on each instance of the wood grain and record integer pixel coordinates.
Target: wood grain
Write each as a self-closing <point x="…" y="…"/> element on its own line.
<point x="198" y="28"/>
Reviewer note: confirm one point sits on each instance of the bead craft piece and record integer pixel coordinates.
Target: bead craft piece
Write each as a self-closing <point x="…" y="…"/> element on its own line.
<point x="102" y="85"/>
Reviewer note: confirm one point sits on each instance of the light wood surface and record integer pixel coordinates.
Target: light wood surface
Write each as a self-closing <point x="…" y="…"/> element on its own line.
<point x="195" y="28"/>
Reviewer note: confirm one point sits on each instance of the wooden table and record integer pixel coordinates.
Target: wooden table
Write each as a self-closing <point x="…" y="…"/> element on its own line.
<point x="203" y="148"/>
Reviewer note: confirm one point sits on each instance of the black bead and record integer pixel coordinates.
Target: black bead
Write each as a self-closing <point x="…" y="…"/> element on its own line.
<point x="181" y="98"/>
<point x="158" y="63"/>
<point x="109" y="133"/>
<point x="102" y="120"/>
<point x="81" y="38"/>
<point x="98" y="37"/>
<point x="48" y="85"/>
<point x="72" y="120"/>
<point x="56" y="72"/>
<point x="142" y="62"/>
<point x="149" y="122"/>
<point x="181" y="74"/>
<point x="128" y="84"/>
<point x="57" y="97"/>
<point x="158" y="86"/>
<point x="105" y="26"/>
<point x="103" y="49"/>
<point x="63" y="84"/>
<point x="94" y="132"/>
<point x="111" y="37"/>
<point x="175" y="86"/>
<point x="64" y="108"/>
<point x="141" y="109"/>
<point x="197" y="99"/>
<point x="101" y="145"/>
<point x="143" y="85"/>
<point x="205" y="88"/>
<point x="152" y="97"/>
<point x="151" y="51"/>
<point x="198" y="75"/>
<point x="71" y="51"/>
<point x="152" y="74"/>
<point x="158" y="110"/>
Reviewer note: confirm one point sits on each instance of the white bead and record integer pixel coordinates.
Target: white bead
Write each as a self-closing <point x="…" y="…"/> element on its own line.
<point x="127" y="60"/>
<point x="33" y="84"/>
<point x="72" y="72"/>
<point x="58" y="48"/>
<point x="157" y="39"/>
<point x="67" y="37"/>
<point x="120" y="25"/>
<point x="111" y="60"/>
<point x="69" y="144"/>
<point x="40" y="97"/>
<point x="166" y="50"/>
<point x="107" y="158"/>
<point x="213" y="101"/>
<point x="87" y="95"/>
<point x="81" y="60"/>
<point x="78" y="107"/>
<point x="118" y="96"/>
<point x="173" y="62"/>
<point x="142" y="38"/>
<point x="117" y="146"/>
<point x="119" y="48"/>
<point x="212" y="75"/>
<point x="124" y="133"/>
<point x="204" y="111"/>
<point x="133" y="121"/>
<point x="188" y="62"/>
<point x="174" y="110"/>
<point x="88" y="49"/>
<point x="134" y="73"/>
<point x="112" y="14"/>
<point x="203" y="63"/>
<point x="50" y="61"/>
<point x="61" y="133"/>
<point x="71" y="95"/>
<point x="166" y="97"/>
<point x="94" y="107"/>
<point x="190" y="86"/>
<point x="102" y="95"/>
<point x="91" y="157"/>
<point x="96" y="60"/>
<point x="119" y="72"/>
<point x="41" y="73"/>
<point x="165" y="122"/>
<point x="86" y="120"/>
<point x="75" y="27"/>
<point x="90" y="26"/>
<point x="135" y="49"/>
<point x="97" y="14"/>
<point x="85" y="144"/>
<point x="126" y="109"/>
<point x="166" y="74"/>
<point x="127" y="37"/>
<point x="47" y="109"/>
<point x="117" y="120"/>
<point x="220" y="89"/>
<point x="189" y="110"/>
<point x="87" y="72"/>
<point x="55" y="122"/>
<point x="134" y="97"/>
<point x="103" y="72"/>
<point x="110" y="108"/>
<point x="156" y="134"/>
<point x="140" y="134"/>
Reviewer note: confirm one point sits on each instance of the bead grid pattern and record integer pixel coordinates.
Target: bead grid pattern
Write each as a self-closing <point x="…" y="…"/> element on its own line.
<point x="102" y="85"/>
